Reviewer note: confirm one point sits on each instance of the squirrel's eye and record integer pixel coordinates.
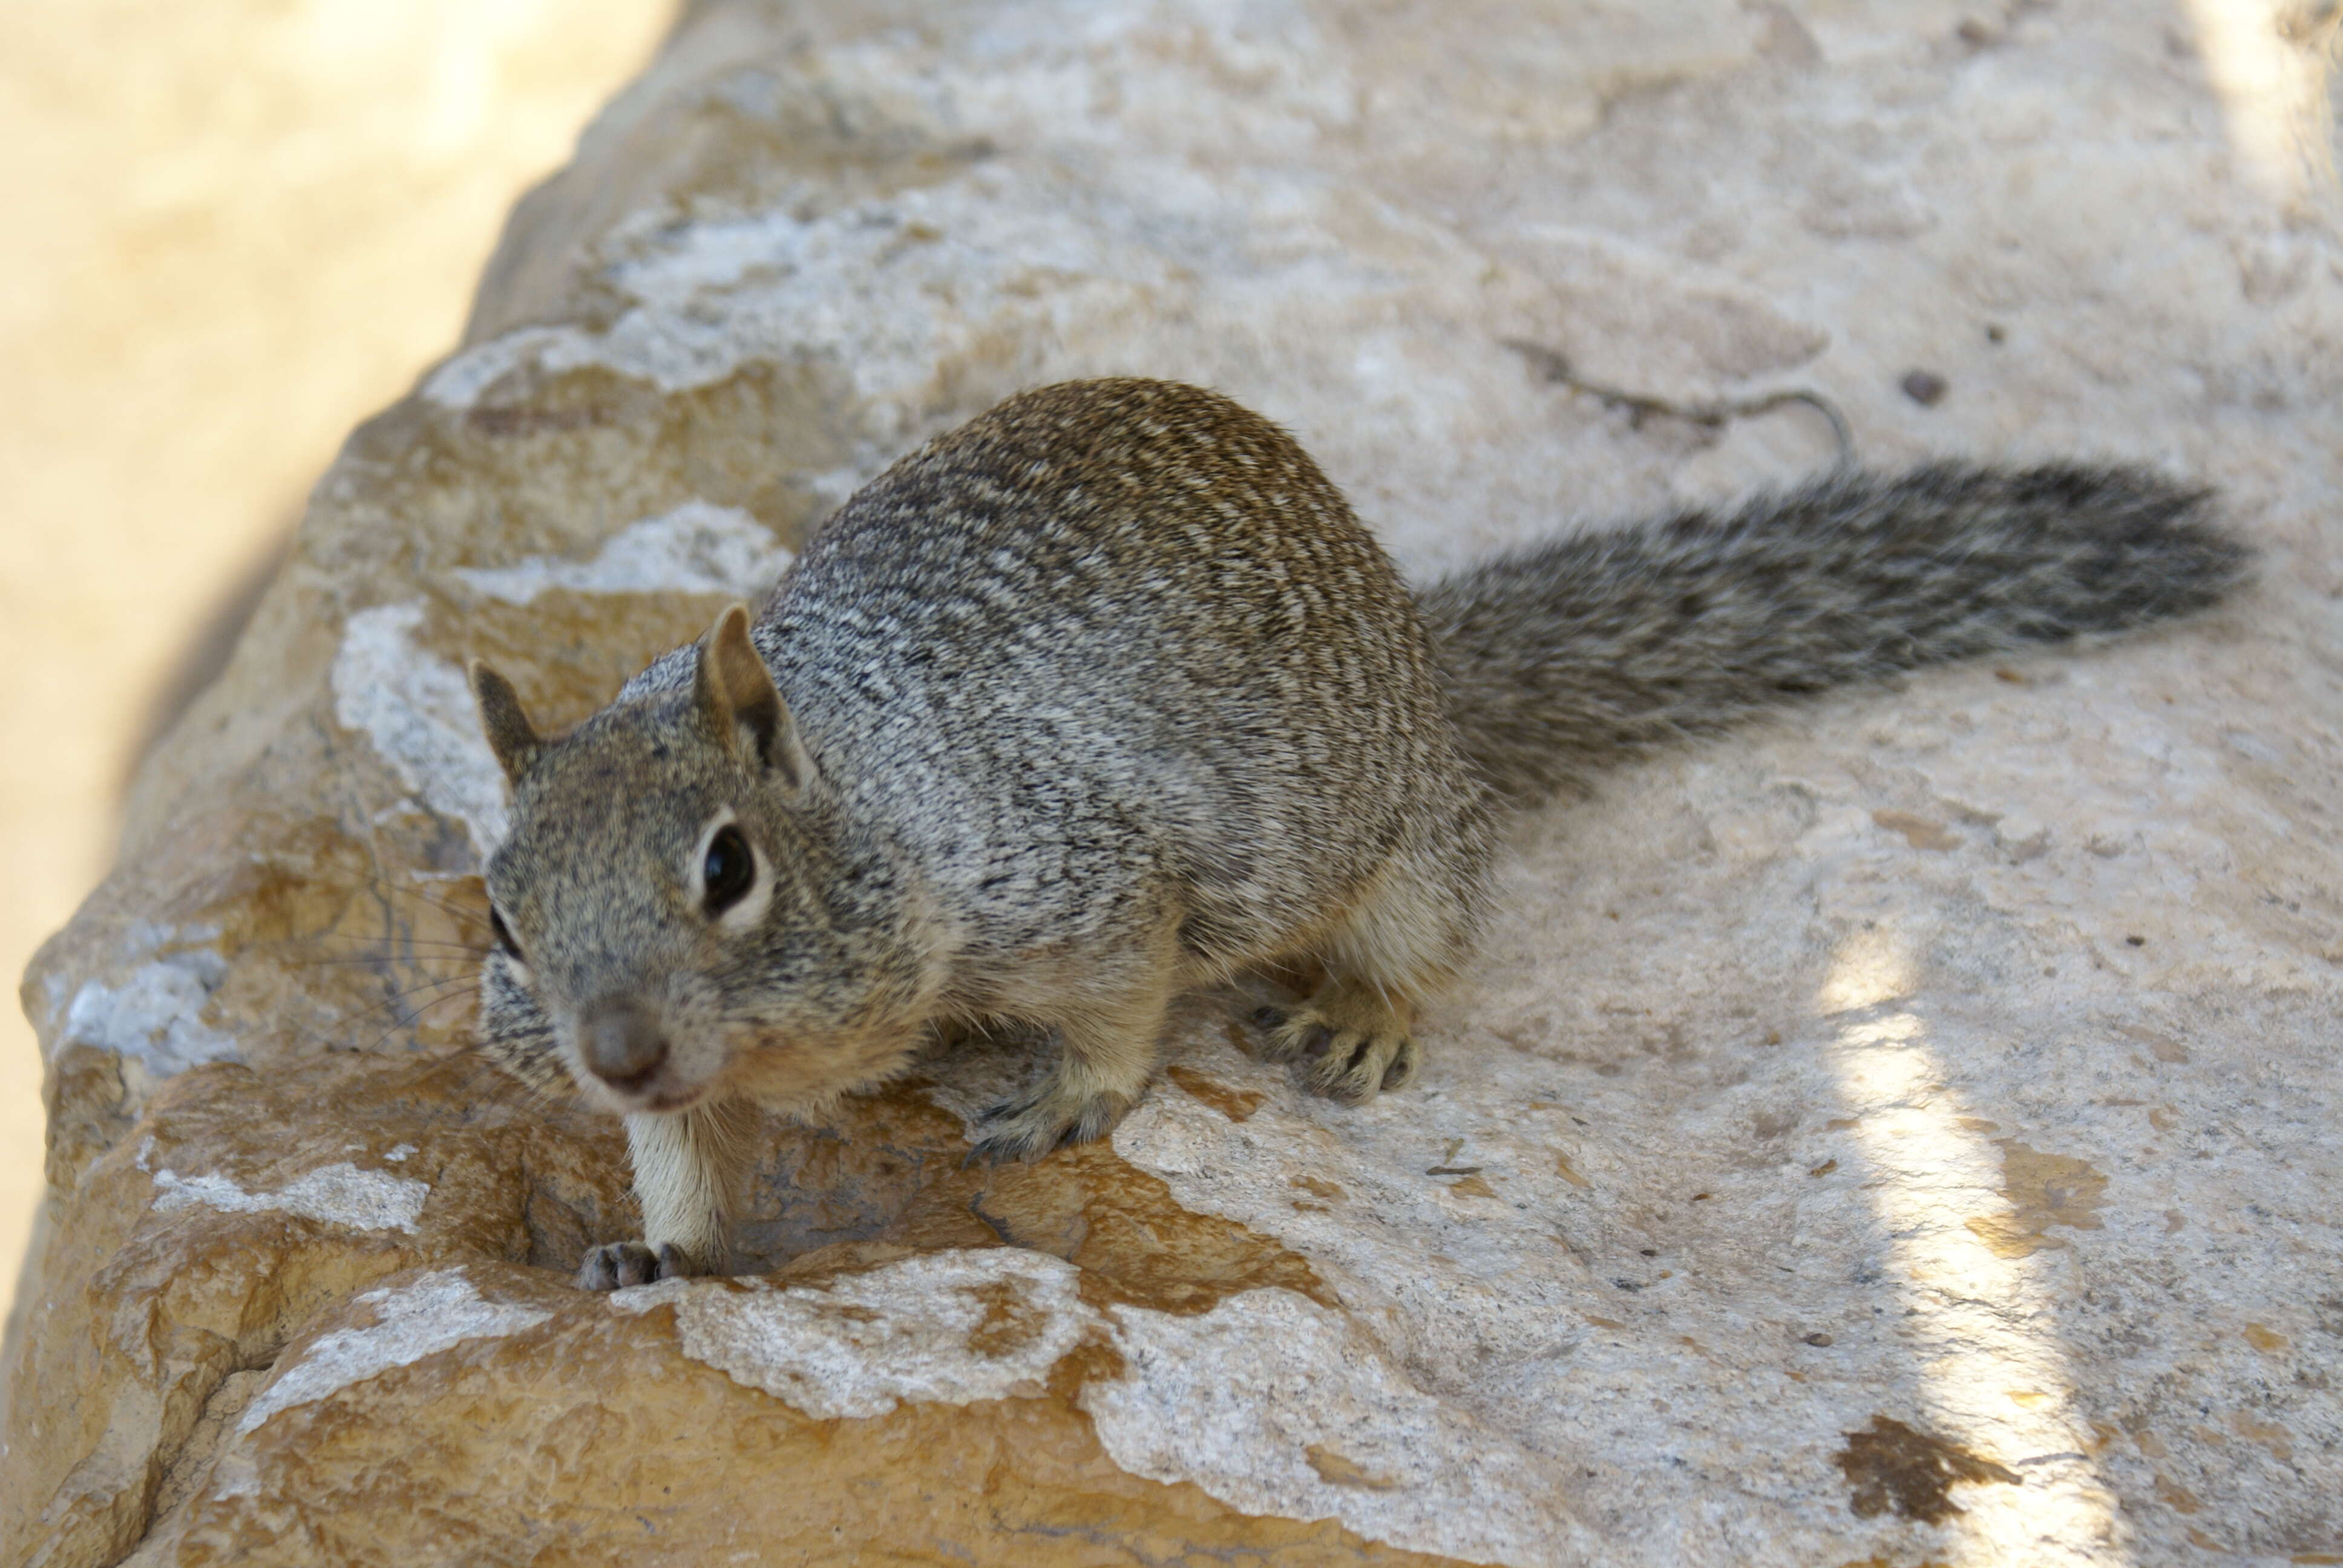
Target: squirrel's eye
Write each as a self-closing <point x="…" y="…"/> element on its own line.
<point x="730" y="870"/>
<point x="503" y="933"/>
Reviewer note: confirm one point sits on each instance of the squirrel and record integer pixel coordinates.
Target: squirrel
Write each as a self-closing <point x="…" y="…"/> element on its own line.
<point x="1106" y="694"/>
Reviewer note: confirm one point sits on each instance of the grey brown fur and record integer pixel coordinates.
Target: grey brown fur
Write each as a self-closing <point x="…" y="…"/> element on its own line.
<point x="1106" y="694"/>
<point x="1574" y="652"/>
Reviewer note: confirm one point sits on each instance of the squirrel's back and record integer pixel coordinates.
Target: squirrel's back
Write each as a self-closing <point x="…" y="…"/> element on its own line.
<point x="1122" y="610"/>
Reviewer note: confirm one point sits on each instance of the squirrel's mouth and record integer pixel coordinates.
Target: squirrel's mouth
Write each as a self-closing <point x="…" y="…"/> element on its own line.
<point x="662" y="1101"/>
<point x="658" y="1097"/>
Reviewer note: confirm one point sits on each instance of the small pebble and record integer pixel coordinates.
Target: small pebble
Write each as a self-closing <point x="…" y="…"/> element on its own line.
<point x="1925" y="387"/>
<point x="1818" y="1340"/>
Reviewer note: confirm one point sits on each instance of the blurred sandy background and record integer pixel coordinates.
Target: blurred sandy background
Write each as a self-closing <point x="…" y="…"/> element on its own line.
<point x="235" y="228"/>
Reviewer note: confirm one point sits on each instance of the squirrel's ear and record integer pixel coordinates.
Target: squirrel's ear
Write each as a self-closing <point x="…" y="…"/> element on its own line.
<point x="739" y="702"/>
<point x="510" y="735"/>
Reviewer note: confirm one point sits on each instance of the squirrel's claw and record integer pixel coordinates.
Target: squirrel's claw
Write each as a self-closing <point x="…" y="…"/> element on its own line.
<point x="615" y="1265"/>
<point x="1029" y="1128"/>
<point x="1349" y="1045"/>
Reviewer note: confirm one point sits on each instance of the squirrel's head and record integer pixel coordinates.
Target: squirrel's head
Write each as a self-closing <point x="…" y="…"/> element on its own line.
<point x="675" y="902"/>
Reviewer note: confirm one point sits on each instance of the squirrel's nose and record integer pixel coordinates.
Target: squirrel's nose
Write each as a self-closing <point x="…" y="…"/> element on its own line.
<point x="623" y="1043"/>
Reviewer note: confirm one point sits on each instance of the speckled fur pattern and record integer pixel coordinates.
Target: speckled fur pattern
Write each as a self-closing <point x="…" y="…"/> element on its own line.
<point x="1107" y="695"/>
<point x="1565" y="657"/>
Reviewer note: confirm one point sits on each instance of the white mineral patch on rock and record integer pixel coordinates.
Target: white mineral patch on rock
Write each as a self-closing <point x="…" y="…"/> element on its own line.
<point x="696" y="548"/>
<point x="458" y="383"/>
<point x="155" y="1017"/>
<point x="861" y="284"/>
<point x="54" y="991"/>
<point x="1457" y="1272"/>
<point x="420" y="1318"/>
<point x="948" y="1328"/>
<point x="417" y="708"/>
<point x="1276" y="1405"/>
<point x="340" y="1194"/>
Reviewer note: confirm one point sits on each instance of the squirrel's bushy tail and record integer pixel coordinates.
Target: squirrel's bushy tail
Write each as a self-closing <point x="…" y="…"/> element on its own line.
<point x="1562" y="657"/>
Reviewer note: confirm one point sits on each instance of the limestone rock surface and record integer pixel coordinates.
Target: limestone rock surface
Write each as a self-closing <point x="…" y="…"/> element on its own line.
<point x="1904" y="1132"/>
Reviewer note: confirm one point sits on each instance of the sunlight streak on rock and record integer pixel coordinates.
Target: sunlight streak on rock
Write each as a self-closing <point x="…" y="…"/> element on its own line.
<point x="2273" y="94"/>
<point x="1991" y="1374"/>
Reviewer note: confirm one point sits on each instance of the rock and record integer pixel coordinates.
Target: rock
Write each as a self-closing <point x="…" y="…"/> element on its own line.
<point x="1925" y="387"/>
<point x="1901" y="1132"/>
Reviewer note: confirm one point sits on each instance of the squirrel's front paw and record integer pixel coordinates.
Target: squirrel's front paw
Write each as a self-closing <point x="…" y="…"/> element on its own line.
<point x="1050" y="1119"/>
<point x="1349" y="1047"/>
<point x="617" y="1265"/>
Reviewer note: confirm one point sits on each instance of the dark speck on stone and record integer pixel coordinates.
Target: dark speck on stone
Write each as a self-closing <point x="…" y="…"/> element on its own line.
<point x="1925" y="387"/>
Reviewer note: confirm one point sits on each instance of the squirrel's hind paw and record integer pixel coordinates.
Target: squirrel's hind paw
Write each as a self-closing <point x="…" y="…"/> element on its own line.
<point x="618" y="1264"/>
<point x="1349" y="1048"/>
<point x="1029" y="1128"/>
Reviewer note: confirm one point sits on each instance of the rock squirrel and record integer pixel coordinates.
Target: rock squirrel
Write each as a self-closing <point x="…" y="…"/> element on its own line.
<point x="1106" y="694"/>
